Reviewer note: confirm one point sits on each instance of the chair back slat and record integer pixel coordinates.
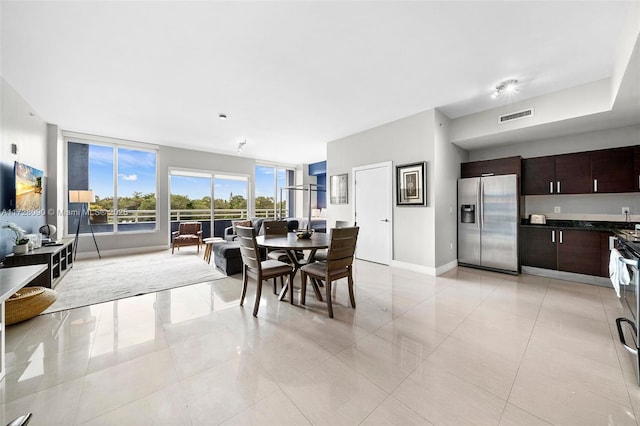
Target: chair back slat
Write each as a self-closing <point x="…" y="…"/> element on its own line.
<point x="342" y="247"/>
<point x="275" y="228"/>
<point x="248" y="247"/>
<point x="186" y="228"/>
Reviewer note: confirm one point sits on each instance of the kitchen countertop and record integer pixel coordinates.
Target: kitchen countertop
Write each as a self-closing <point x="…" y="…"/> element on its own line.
<point x="620" y="229"/>
<point x="590" y="225"/>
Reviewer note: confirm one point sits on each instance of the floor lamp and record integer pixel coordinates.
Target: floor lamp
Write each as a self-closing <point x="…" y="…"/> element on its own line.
<point x="82" y="197"/>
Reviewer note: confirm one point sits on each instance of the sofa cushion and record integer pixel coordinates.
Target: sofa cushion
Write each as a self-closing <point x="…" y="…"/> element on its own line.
<point x="227" y="250"/>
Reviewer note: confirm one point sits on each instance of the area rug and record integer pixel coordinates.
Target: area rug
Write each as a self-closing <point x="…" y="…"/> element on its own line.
<point x="112" y="278"/>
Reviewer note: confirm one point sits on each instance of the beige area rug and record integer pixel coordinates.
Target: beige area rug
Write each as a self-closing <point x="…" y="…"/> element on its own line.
<point x="111" y="278"/>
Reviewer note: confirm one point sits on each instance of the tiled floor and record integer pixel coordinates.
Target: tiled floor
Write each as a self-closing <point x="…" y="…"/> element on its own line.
<point x="468" y="347"/>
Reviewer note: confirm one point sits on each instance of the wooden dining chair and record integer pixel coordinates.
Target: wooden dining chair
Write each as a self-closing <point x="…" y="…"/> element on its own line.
<point x="261" y="270"/>
<point x="339" y="264"/>
<point x="321" y="255"/>
<point x="276" y="228"/>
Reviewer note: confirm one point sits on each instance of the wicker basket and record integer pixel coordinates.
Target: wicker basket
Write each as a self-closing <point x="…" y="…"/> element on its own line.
<point x="27" y="303"/>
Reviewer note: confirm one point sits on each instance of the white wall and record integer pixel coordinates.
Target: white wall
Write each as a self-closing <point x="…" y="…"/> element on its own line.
<point x="579" y="207"/>
<point x="446" y="172"/>
<point x="20" y="125"/>
<point x="408" y="140"/>
<point x="611" y="138"/>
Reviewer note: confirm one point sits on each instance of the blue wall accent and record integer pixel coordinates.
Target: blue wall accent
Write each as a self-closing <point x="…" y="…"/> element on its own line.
<point x="319" y="170"/>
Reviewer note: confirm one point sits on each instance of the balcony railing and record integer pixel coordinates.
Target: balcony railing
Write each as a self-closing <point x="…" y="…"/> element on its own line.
<point x="178" y="215"/>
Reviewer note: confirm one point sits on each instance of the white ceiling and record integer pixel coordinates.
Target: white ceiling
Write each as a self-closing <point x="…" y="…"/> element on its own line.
<point x="294" y="75"/>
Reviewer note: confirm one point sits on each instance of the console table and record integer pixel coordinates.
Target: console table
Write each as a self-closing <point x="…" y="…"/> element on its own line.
<point x="12" y="280"/>
<point x="58" y="259"/>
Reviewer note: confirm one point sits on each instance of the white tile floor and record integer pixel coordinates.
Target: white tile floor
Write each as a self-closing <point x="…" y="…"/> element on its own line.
<point x="468" y="347"/>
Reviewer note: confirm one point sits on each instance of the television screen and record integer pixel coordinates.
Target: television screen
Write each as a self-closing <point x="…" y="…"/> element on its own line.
<point x="28" y="187"/>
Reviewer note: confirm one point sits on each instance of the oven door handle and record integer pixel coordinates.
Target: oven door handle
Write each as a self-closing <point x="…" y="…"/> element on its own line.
<point x="619" y="322"/>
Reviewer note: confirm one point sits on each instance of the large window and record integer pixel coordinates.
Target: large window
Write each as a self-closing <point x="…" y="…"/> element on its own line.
<point x="191" y="195"/>
<point x="123" y="180"/>
<point x="270" y="200"/>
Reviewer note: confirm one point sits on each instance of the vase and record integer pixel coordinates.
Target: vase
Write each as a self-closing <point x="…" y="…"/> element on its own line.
<point x="21" y="248"/>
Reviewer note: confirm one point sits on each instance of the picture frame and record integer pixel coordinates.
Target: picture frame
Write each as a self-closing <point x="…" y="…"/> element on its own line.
<point x="338" y="189"/>
<point x="411" y="184"/>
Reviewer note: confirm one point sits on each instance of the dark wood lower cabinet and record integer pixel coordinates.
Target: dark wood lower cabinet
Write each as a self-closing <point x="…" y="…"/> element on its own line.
<point x="579" y="251"/>
<point x="568" y="250"/>
<point x="538" y="248"/>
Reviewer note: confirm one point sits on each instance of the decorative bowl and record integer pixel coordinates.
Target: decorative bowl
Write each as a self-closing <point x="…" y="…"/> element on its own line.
<point x="304" y="235"/>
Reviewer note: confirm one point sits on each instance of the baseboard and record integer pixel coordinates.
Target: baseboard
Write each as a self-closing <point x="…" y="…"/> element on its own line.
<point x="567" y="276"/>
<point x="120" y="252"/>
<point x="413" y="267"/>
<point x="447" y="267"/>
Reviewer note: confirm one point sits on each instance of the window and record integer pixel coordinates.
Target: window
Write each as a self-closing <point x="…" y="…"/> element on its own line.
<point x="270" y="201"/>
<point x="123" y="180"/>
<point x="191" y="195"/>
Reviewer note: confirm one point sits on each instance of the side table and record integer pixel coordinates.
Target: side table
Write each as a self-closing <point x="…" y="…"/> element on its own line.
<point x="208" y="247"/>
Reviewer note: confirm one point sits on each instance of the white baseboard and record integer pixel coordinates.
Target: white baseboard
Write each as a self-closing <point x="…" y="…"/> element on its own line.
<point x="120" y="252"/>
<point x="424" y="269"/>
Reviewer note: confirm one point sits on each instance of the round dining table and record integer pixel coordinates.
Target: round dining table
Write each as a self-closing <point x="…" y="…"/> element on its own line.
<point x="291" y="244"/>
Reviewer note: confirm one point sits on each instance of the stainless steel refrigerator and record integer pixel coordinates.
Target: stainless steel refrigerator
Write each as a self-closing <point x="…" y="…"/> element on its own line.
<point x="488" y="222"/>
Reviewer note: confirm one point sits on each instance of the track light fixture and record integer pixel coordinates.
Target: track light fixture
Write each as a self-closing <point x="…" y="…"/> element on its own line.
<point x="242" y="145"/>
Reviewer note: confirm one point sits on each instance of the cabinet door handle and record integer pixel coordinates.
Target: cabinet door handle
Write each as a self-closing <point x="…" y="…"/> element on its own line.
<point x="595" y="185"/>
<point x="551" y="186"/>
<point x="560" y="237"/>
<point x="558" y="187"/>
<point x="553" y="236"/>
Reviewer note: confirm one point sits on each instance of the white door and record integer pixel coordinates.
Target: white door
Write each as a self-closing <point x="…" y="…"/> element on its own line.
<point x="373" y="208"/>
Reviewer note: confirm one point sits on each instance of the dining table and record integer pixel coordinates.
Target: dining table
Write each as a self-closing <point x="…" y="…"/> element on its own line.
<point x="292" y="244"/>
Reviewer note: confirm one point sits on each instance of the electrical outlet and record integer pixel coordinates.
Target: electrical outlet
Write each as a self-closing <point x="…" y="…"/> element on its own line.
<point x="626" y="210"/>
<point x="557" y="209"/>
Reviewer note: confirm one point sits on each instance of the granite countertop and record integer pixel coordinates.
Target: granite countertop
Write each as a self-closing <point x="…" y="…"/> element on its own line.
<point x="590" y="225"/>
<point x="624" y="231"/>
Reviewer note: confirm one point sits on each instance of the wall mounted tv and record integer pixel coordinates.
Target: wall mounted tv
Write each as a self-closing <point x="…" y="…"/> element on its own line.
<point x="28" y="186"/>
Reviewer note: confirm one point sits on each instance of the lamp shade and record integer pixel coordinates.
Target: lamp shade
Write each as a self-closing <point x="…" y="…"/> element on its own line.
<point x="82" y="196"/>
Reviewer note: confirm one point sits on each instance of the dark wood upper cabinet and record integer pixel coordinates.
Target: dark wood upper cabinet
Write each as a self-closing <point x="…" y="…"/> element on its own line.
<point x="612" y="170"/>
<point x="538" y="175"/>
<point x="573" y="173"/>
<point x="636" y="168"/>
<point x="499" y="166"/>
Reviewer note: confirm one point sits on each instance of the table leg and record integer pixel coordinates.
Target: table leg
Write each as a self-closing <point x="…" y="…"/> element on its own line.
<point x="296" y="266"/>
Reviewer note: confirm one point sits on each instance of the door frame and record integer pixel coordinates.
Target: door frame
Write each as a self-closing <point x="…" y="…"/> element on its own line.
<point x="389" y="210"/>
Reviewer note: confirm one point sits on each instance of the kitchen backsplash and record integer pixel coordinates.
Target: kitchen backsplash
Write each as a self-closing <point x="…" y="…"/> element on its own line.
<point x="602" y="207"/>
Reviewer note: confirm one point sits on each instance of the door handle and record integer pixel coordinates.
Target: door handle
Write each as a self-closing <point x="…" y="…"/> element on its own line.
<point x="560" y="237"/>
<point x="558" y="188"/>
<point x="595" y="185"/>
<point x="384" y="220"/>
<point x="553" y="236"/>
<point x="550" y="187"/>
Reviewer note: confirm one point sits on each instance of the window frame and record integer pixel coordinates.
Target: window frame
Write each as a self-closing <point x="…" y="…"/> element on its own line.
<point x="72" y="137"/>
<point x="276" y="191"/>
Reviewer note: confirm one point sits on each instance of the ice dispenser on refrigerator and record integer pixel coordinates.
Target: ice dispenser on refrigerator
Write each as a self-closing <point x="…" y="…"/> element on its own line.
<point x="468" y="213"/>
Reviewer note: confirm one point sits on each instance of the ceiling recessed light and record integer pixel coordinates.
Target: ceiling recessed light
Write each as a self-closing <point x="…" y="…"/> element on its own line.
<point x="222" y="116"/>
<point x="507" y="87"/>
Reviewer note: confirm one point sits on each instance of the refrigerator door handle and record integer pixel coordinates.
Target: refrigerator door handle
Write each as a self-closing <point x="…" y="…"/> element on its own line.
<point x="478" y="203"/>
<point x="481" y="205"/>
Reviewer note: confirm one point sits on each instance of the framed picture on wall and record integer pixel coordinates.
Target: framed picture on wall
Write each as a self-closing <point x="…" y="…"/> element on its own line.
<point x="411" y="184"/>
<point x="338" y="189"/>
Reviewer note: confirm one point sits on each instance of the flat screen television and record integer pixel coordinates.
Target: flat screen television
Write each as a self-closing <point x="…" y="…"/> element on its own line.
<point x="28" y="183"/>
